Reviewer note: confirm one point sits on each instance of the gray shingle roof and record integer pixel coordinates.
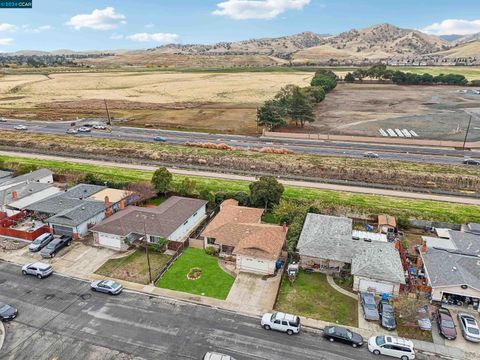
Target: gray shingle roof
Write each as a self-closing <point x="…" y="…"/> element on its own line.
<point x="4" y="176"/>
<point x="465" y="243"/>
<point x="31" y="176"/>
<point x="162" y="220"/>
<point x="378" y="261"/>
<point x="22" y="190"/>
<point x="445" y="268"/>
<point x="473" y="228"/>
<point x="326" y="237"/>
<point x="84" y="211"/>
<point x="82" y="191"/>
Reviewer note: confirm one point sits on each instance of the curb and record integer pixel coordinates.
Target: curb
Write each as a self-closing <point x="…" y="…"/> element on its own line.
<point x="2" y="334"/>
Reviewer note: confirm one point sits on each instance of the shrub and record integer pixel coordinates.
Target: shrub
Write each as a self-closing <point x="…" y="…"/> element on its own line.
<point x="210" y="250"/>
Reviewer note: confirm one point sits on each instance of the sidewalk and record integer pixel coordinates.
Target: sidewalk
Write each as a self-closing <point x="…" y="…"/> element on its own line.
<point x="332" y="283"/>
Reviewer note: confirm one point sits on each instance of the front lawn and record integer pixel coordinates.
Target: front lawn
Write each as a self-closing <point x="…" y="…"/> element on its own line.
<point x="213" y="281"/>
<point x="413" y="332"/>
<point x="312" y="296"/>
<point x="134" y="267"/>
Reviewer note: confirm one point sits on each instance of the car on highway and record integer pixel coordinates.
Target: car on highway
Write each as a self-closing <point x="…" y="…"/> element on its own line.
<point x="387" y="315"/>
<point x="72" y="131"/>
<point x="3" y="119"/>
<point x="159" y="139"/>
<point x="55" y="246"/>
<point x="343" y="335"/>
<point x="369" y="306"/>
<point x="371" y="155"/>
<point x="99" y="127"/>
<point x="38" y="269"/>
<point x="107" y="286"/>
<point x="7" y="312"/>
<point x="84" y="129"/>
<point x="392" y="346"/>
<point x="471" y="162"/>
<point x="40" y="242"/>
<point x="20" y="127"/>
<point x="446" y="326"/>
<point x="216" y="356"/>
<point x="281" y="322"/>
<point x="469" y="326"/>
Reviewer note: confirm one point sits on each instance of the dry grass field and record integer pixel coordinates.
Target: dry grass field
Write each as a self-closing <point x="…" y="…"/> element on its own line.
<point x="224" y="102"/>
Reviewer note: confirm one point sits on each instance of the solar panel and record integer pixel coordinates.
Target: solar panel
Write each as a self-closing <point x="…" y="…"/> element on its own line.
<point x="399" y="133"/>
<point x="382" y="132"/>
<point x="413" y="133"/>
<point x="406" y="133"/>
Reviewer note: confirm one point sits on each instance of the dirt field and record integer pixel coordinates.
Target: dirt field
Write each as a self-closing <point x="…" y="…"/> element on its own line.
<point x="436" y="112"/>
<point x="223" y="102"/>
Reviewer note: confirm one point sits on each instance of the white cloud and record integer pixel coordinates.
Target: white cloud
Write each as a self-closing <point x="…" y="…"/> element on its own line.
<point x="6" y="41"/>
<point x="453" y="26"/>
<point x="164" y="38"/>
<point x="105" y="19"/>
<point x="257" y="9"/>
<point x="38" y="29"/>
<point x="7" y="27"/>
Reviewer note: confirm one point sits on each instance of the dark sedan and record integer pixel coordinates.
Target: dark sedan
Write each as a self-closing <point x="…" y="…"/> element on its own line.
<point x="387" y="315"/>
<point x="55" y="245"/>
<point x="341" y="334"/>
<point x="369" y="306"/>
<point x="7" y="312"/>
<point x="446" y="326"/>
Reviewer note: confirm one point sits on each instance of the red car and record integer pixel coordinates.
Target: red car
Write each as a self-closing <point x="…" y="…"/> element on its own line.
<point x="446" y="326"/>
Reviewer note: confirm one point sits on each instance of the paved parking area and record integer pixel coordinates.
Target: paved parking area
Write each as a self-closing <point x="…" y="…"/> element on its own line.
<point x="252" y="293"/>
<point x="373" y="326"/>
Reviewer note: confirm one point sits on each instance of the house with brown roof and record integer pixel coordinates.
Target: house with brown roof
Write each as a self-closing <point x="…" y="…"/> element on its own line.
<point x="174" y="219"/>
<point x="237" y="231"/>
<point x="387" y="224"/>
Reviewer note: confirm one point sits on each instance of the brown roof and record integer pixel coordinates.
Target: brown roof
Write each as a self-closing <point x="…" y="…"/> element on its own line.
<point x="261" y="241"/>
<point x="162" y="220"/>
<point x="230" y="213"/>
<point x="387" y="220"/>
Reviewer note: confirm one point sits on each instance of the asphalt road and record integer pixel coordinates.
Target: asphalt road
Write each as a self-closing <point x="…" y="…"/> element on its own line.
<point x="330" y="148"/>
<point x="61" y="318"/>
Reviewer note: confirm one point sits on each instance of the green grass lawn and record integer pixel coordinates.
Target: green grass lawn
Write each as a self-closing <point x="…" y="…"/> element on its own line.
<point x="413" y="332"/>
<point x="357" y="203"/>
<point x="213" y="282"/>
<point x="312" y="296"/>
<point x="134" y="267"/>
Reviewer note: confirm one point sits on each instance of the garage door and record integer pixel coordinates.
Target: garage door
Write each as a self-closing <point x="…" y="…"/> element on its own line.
<point x="62" y="230"/>
<point x="109" y="241"/>
<point x="254" y="265"/>
<point x="378" y="287"/>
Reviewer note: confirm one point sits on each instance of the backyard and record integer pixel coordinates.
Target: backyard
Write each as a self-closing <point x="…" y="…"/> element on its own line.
<point x="134" y="267"/>
<point x="206" y="279"/>
<point x="312" y="296"/>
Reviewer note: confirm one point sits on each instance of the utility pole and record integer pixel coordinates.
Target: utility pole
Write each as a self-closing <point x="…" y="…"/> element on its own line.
<point x="144" y="217"/>
<point x="108" y="114"/>
<point x="468" y="129"/>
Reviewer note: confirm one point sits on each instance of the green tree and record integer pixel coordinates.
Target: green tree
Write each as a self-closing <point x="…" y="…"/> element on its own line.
<point x="267" y="191"/>
<point x="377" y="71"/>
<point x="326" y="72"/>
<point x="161" y="180"/>
<point x="269" y="115"/>
<point x="316" y="94"/>
<point x="207" y="195"/>
<point x="187" y="187"/>
<point x="349" y="77"/>
<point x="299" y="108"/>
<point x="159" y="245"/>
<point x="327" y="82"/>
<point x="360" y="74"/>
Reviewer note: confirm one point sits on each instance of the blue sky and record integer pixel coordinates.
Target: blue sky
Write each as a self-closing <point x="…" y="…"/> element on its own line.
<point x="115" y="24"/>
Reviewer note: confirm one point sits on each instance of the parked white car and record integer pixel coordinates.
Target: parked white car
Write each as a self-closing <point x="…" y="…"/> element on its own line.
<point x="469" y="326"/>
<point x="107" y="286"/>
<point x="281" y="322"/>
<point x="392" y="346"/>
<point x="20" y="127"/>
<point x="38" y="269"/>
<point x="216" y="356"/>
<point x="84" y="129"/>
<point x="99" y="127"/>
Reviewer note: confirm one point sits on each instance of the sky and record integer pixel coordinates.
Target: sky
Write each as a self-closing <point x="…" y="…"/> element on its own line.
<point x="133" y="24"/>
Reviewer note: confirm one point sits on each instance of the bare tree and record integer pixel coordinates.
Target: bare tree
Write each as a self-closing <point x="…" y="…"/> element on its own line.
<point x="144" y="191"/>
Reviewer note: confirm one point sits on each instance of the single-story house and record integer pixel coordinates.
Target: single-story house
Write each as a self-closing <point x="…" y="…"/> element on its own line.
<point x="237" y="231"/>
<point x="387" y="224"/>
<point x="452" y="266"/>
<point x="174" y="219"/>
<point x="5" y="175"/>
<point x="17" y="197"/>
<point x="41" y="176"/>
<point x="472" y="228"/>
<point x="327" y="244"/>
<point x="74" y="212"/>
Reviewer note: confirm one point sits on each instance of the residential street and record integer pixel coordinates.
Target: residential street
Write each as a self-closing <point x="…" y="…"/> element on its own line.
<point x="60" y="318"/>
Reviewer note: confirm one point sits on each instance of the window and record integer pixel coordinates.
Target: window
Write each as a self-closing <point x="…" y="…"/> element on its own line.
<point x="285" y="323"/>
<point x="185" y="223"/>
<point x="195" y="214"/>
<point x="210" y="241"/>
<point x="277" y="322"/>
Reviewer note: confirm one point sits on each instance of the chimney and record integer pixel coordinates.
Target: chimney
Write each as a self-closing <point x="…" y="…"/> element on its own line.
<point x="122" y="204"/>
<point x="423" y="248"/>
<point x="14" y="195"/>
<point x="108" y="209"/>
<point x="284" y="225"/>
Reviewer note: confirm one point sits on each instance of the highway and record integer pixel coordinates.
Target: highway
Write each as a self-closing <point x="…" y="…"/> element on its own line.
<point x="61" y="318"/>
<point x="327" y="148"/>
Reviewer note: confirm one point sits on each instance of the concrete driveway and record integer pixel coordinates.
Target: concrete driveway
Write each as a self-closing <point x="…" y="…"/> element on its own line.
<point x="373" y="326"/>
<point x="251" y="293"/>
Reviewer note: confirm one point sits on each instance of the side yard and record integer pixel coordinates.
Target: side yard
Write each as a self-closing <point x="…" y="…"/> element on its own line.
<point x="134" y="267"/>
<point x="311" y="296"/>
<point x="195" y="272"/>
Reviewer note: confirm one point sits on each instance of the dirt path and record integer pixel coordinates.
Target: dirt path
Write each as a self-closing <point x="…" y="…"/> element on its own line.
<point x="214" y="175"/>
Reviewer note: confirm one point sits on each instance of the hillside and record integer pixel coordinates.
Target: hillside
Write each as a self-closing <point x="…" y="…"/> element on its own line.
<point x="374" y="43"/>
<point x="470" y="49"/>
<point x="468" y="38"/>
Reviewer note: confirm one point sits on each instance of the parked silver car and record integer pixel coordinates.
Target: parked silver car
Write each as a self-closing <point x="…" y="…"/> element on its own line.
<point x="37" y="269"/>
<point x="369" y="306"/>
<point x="107" y="286"/>
<point x="40" y="242"/>
<point x="216" y="356"/>
<point x="469" y="326"/>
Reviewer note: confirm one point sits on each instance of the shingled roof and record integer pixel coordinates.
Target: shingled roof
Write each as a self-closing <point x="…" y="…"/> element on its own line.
<point x="379" y="261"/>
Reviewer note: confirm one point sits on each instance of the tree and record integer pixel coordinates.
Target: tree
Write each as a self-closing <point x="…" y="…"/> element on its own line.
<point x="267" y="191"/>
<point x="316" y="94"/>
<point x="360" y="74"/>
<point x="187" y="187"/>
<point x="269" y="115"/>
<point x="377" y="71"/>
<point x="328" y="83"/>
<point x="407" y="308"/>
<point x="159" y="245"/>
<point x="326" y="72"/>
<point x="349" y="77"/>
<point x="299" y="107"/>
<point x="142" y="191"/>
<point x="161" y="180"/>
<point x="207" y="195"/>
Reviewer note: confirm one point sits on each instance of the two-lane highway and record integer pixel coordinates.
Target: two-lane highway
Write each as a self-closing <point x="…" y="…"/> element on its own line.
<point x="61" y="318"/>
<point x="328" y="148"/>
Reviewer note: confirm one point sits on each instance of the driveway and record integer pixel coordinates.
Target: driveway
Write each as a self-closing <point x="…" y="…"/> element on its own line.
<point x="373" y="326"/>
<point x="460" y="341"/>
<point x="251" y="293"/>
